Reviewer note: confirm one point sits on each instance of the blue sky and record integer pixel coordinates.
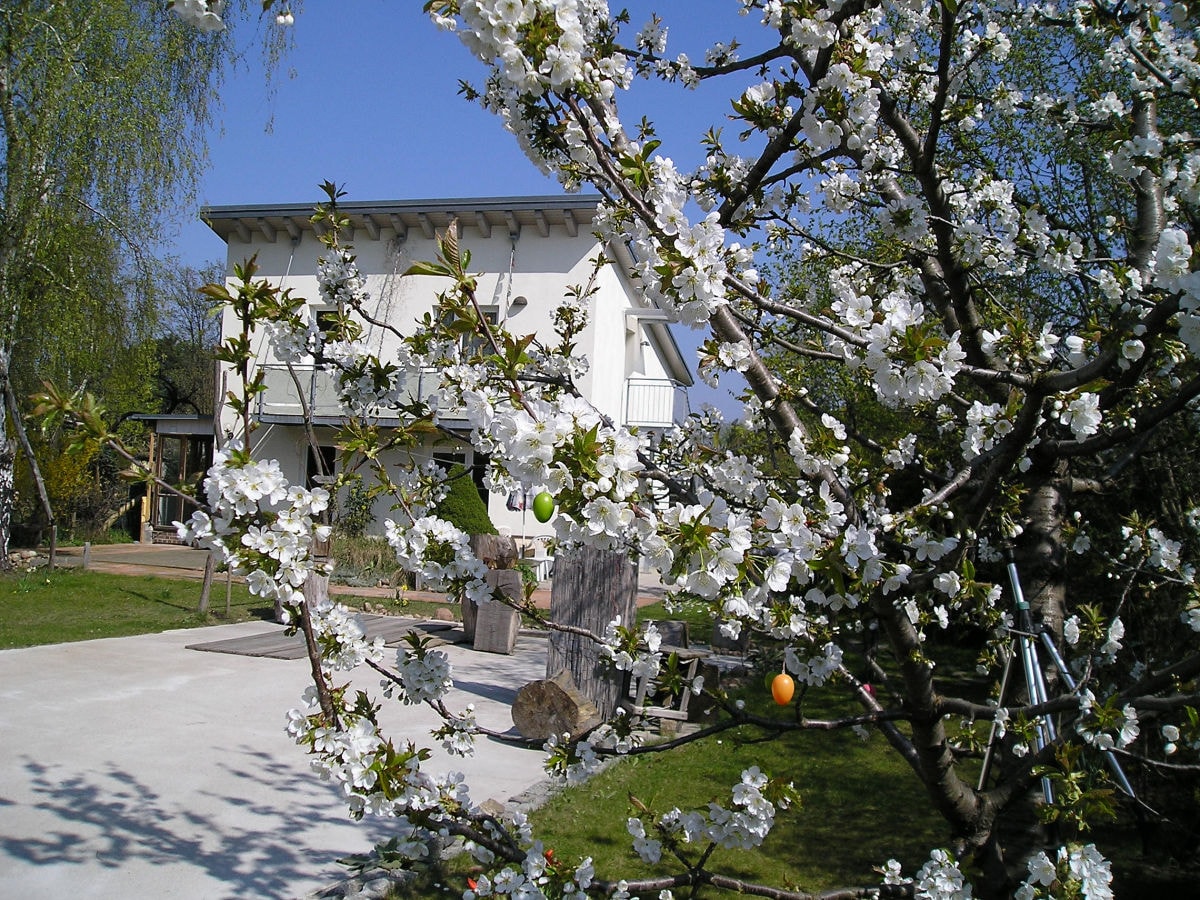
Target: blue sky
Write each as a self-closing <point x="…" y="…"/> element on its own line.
<point x="368" y="98"/>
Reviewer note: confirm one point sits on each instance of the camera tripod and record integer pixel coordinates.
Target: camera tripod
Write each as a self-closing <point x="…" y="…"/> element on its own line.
<point x="1025" y="640"/>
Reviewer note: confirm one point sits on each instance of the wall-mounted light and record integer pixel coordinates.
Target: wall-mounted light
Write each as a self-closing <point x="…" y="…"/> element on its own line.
<point x="519" y="300"/>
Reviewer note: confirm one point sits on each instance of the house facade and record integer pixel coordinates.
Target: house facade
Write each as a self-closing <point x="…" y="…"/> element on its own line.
<point x="528" y="251"/>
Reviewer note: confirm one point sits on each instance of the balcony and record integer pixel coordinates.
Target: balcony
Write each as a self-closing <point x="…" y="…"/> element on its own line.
<point x="648" y="402"/>
<point x="654" y="403"/>
<point x="280" y="401"/>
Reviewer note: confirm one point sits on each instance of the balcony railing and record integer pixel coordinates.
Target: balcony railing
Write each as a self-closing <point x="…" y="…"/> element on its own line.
<point x="649" y="402"/>
<point x="654" y="402"/>
<point x="280" y="401"/>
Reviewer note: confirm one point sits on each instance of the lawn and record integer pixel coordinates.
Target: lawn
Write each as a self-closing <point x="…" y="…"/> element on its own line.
<point x="73" y="605"/>
<point x="859" y="806"/>
<point x="41" y="607"/>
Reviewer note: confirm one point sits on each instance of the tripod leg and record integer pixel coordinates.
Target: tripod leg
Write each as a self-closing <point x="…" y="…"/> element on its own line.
<point x="1043" y="729"/>
<point x="1110" y="758"/>
<point x="988" y="754"/>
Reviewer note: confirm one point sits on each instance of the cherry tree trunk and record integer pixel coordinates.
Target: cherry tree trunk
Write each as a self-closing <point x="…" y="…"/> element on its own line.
<point x="1041" y="570"/>
<point x="591" y="588"/>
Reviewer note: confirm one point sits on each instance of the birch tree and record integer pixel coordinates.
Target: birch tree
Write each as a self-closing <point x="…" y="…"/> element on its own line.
<point x="103" y="109"/>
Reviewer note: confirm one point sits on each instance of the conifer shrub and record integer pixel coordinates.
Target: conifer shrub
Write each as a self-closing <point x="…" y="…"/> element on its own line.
<point x="462" y="505"/>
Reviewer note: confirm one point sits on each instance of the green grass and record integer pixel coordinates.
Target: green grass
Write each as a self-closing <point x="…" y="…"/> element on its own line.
<point x="70" y="605"/>
<point x="859" y="806"/>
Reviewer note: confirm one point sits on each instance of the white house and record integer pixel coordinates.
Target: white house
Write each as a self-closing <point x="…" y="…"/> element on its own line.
<point x="528" y="251"/>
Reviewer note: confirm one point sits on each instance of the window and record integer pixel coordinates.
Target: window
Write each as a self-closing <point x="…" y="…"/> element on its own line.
<point x="182" y="461"/>
<point x="319" y="472"/>
<point x="473" y="344"/>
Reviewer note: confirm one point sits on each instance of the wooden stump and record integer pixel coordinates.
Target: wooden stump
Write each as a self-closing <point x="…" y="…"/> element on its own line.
<point x="553" y="706"/>
<point x="591" y="588"/>
<point x="470" y="613"/>
<point x="491" y="548"/>
<point x="497" y="625"/>
<point x="315" y="589"/>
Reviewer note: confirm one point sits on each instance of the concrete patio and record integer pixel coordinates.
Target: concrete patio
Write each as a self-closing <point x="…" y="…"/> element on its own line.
<point x="134" y="767"/>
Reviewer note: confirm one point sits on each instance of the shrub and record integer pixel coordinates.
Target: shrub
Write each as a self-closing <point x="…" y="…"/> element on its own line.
<point x="356" y="513"/>
<point x="462" y="505"/>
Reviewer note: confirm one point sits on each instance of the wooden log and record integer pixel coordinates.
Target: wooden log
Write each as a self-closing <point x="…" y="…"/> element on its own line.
<point x="493" y="548"/>
<point x="315" y="590"/>
<point x="553" y="706"/>
<point x="497" y="625"/>
<point x="591" y="588"/>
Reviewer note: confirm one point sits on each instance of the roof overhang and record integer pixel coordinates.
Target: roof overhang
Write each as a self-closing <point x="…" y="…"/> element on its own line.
<point x="655" y="323"/>
<point x="177" y="423"/>
<point x="509" y="215"/>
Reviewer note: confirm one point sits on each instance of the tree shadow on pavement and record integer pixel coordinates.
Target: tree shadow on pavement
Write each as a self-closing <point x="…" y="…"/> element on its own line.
<point x="254" y="844"/>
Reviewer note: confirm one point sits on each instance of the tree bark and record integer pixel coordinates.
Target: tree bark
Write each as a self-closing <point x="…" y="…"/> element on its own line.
<point x="553" y="706"/>
<point x="7" y="486"/>
<point x="35" y="470"/>
<point x="1041" y="569"/>
<point x="210" y="566"/>
<point x="591" y="588"/>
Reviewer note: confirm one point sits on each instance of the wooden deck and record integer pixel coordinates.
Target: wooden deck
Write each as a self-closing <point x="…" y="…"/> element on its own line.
<point x="277" y="644"/>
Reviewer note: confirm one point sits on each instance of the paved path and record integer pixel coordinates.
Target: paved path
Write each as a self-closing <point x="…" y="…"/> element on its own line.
<point x="134" y="768"/>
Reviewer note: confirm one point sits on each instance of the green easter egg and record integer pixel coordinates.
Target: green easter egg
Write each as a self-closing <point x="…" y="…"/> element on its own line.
<point x="543" y="506"/>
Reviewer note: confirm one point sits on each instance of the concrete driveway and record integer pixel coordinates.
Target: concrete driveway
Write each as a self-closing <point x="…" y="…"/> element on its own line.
<point x="136" y="768"/>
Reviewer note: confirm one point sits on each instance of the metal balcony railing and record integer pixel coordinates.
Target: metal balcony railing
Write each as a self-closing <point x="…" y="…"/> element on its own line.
<point x="654" y="402"/>
<point x="648" y="402"/>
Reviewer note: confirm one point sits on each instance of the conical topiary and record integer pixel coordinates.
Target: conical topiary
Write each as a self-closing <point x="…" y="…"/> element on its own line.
<point x="462" y="505"/>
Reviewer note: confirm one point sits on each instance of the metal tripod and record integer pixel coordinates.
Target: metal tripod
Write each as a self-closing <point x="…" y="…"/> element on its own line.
<point x="1025" y="641"/>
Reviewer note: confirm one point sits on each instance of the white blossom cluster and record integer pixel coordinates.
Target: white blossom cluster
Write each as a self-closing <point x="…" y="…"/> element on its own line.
<point x="424" y="677"/>
<point x="938" y="879"/>
<point x="872" y="333"/>
<point x="694" y="252"/>
<point x="491" y="30"/>
<point x="1106" y="728"/>
<point x="204" y="15"/>
<point x="1080" y="870"/>
<point x="535" y="880"/>
<point x="441" y="554"/>
<point x="535" y="443"/>
<point x="627" y="650"/>
<point x="264" y="527"/>
<point x="340" y="281"/>
<point x="343" y="641"/>
<point x="458" y="732"/>
<point x="743" y="825"/>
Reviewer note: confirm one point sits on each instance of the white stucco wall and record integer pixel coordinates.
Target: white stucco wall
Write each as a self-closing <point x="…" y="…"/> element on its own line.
<point x="541" y="269"/>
